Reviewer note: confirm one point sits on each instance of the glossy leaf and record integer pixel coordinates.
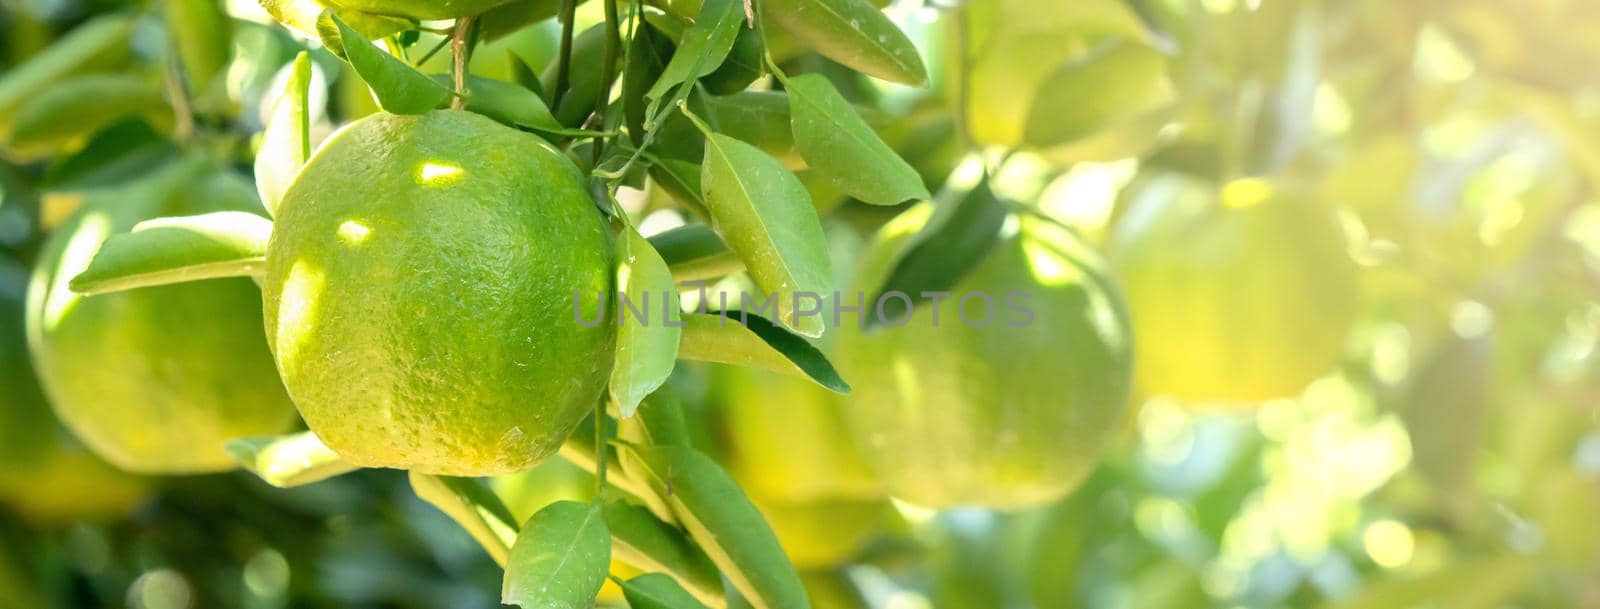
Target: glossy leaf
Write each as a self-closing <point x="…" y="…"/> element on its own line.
<point x="289" y="460"/>
<point x="474" y="507"/>
<point x="854" y="33"/>
<point x="694" y="252"/>
<point x="758" y="343"/>
<point x="560" y="559"/>
<point x="100" y="42"/>
<point x="509" y="103"/>
<point x="68" y="113"/>
<point x="175" y="250"/>
<point x="759" y="118"/>
<point x="960" y="234"/>
<point x="837" y="142"/>
<point x="647" y="334"/>
<point x="583" y="85"/>
<point x="703" y="48"/>
<point x="657" y="591"/>
<point x="121" y="152"/>
<point x="647" y="56"/>
<point x="398" y="87"/>
<point x="286" y="144"/>
<point x="765" y="215"/>
<point x="512" y="16"/>
<point x="721" y="519"/>
<point x="643" y="541"/>
<point x="1116" y="81"/>
<point x="743" y="65"/>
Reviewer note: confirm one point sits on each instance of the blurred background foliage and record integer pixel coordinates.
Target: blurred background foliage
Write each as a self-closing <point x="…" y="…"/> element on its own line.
<point x="1360" y="241"/>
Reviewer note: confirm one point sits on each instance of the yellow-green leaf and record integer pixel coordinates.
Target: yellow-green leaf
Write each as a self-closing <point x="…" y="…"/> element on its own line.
<point x="837" y="142"/>
<point x="560" y="559"/>
<point x="175" y="250"/>
<point x="765" y="215"/>
<point x="286" y="143"/>
<point x="648" y="318"/>
<point x="721" y="519"/>
<point x="289" y="460"/>
<point x="854" y="33"/>
<point x="399" y="88"/>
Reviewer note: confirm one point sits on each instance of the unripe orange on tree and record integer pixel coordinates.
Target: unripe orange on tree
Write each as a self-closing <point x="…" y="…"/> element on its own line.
<point x="1237" y="295"/>
<point x="155" y="379"/>
<point x="420" y="294"/>
<point x="1009" y="414"/>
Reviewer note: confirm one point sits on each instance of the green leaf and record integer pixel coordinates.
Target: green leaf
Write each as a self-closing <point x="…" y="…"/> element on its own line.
<point x="560" y="559"/>
<point x="289" y="460"/>
<point x="286" y="144"/>
<point x="854" y="33"/>
<point x="120" y="153"/>
<point x="1114" y="82"/>
<point x="681" y="180"/>
<point x="657" y="591"/>
<point x="175" y="250"/>
<point x="743" y="65"/>
<point x="703" y="48"/>
<point x="509" y="103"/>
<point x="759" y="118"/>
<point x="100" y="42"/>
<point x="765" y="215"/>
<point x="644" y="542"/>
<point x="647" y="340"/>
<point x="836" y="141"/>
<point x="512" y="16"/>
<point x="721" y="519"/>
<point x="647" y="56"/>
<point x="474" y="507"/>
<point x="71" y="111"/>
<point x="694" y="252"/>
<point x="583" y="84"/>
<point x="399" y="88"/>
<point x="758" y="343"/>
<point x="960" y="234"/>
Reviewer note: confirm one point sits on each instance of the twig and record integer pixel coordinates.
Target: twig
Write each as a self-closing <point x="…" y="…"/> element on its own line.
<point x="607" y="73"/>
<point x="564" y="60"/>
<point x="461" y="47"/>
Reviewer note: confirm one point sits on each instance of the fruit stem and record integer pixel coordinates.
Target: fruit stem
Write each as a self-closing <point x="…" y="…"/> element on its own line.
<point x="600" y="443"/>
<point x="182" y="109"/>
<point x="461" y="47"/>
<point x="433" y="51"/>
<point x="963" y="77"/>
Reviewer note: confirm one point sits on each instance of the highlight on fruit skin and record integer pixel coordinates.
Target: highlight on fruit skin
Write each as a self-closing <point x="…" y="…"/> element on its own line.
<point x="420" y="293"/>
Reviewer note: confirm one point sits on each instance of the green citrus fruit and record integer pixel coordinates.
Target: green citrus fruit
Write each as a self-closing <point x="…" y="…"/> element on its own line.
<point x="785" y="440"/>
<point x="1006" y="414"/>
<point x="821" y="534"/>
<point x="420" y="295"/>
<point x="27" y="429"/>
<point x="1238" y="298"/>
<point x="154" y="379"/>
<point x="418" y="9"/>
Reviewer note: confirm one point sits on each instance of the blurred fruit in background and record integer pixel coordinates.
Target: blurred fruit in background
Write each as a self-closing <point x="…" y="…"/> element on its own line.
<point x="1238" y="294"/>
<point x="158" y="379"/>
